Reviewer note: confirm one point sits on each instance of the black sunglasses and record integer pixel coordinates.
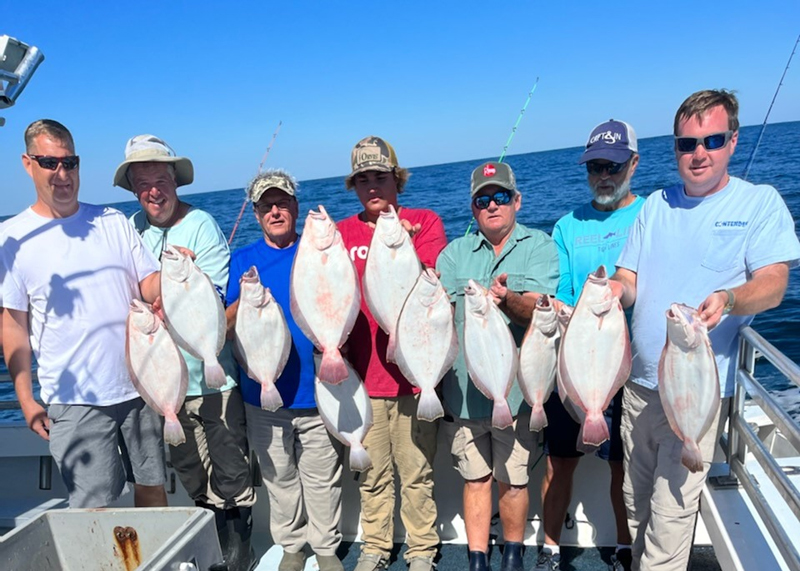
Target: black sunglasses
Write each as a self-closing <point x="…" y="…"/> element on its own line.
<point x="500" y="198"/>
<point x="611" y="168"/>
<point x="711" y="142"/>
<point x="51" y="163"/>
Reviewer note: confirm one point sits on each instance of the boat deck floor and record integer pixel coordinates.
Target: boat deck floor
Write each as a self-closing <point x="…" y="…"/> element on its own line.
<point x="453" y="557"/>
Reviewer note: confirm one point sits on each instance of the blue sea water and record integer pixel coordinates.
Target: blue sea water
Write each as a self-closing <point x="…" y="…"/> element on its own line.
<point x="552" y="184"/>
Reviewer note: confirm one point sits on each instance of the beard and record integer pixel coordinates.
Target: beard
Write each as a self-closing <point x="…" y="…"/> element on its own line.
<point x="619" y="193"/>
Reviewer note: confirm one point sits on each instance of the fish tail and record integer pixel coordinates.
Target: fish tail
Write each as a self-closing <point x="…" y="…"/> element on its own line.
<point x="391" y="349"/>
<point x="538" y="418"/>
<point x="332" y="368"/>
<point x="691" y="457"/>
<point x="215" y="375"/>
<point x="359" y="459"/>
<point x="270" y="397"/>
<point x="429" y="406"/>
<point x="501" y="414"/>
<point x="594" y="430"/>
<point x="173" y="431"/>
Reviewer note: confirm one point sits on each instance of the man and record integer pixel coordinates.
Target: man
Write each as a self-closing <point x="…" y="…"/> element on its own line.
<point x="717" y="243"/>
<point x="591" y="236"/>
<point x="72" y="271"/>
<point x="519" y="265"/>
<point x="397" y="439"/>
<point x="300" y="462"/>
<point x="213" y="463"/>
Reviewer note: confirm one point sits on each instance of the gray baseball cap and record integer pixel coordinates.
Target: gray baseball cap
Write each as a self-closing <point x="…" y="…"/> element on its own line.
<point x="499" y="174"/>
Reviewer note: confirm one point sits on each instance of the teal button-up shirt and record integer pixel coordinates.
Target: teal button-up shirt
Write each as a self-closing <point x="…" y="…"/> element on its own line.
<point x="530" y="259"/>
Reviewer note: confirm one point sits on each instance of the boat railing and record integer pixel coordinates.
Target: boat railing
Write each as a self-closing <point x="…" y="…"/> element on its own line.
<point x="13" y="404"/>
<point x="743" y="439"/>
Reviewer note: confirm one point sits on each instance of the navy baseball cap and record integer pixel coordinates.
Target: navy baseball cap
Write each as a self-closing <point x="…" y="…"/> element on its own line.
<point x="613" y="141"/>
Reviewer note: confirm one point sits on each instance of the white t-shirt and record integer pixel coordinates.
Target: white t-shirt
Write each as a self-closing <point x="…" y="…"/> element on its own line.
<point x="684" y="248"/>
<point x="76" y="277"/>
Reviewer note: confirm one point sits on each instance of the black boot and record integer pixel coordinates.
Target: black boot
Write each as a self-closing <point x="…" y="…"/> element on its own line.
<point x="478" y="561"/>
<point x="512" y="556"/>
<point x="234" y="527"/>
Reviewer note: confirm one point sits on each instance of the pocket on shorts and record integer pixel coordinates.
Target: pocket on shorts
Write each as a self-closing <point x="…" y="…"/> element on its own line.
<point x="56" y="411"/>
<point x="724" y="250"/>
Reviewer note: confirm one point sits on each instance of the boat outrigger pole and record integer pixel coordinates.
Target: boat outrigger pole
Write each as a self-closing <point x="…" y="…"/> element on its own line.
<point x="18" y="61"/>
<point x="764" y="125"/>
<point x="260" y="168"/>
<point x="511" y="136"/>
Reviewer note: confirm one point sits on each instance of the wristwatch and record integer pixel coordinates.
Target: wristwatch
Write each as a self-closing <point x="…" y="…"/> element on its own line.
<point x="730" y="303"/>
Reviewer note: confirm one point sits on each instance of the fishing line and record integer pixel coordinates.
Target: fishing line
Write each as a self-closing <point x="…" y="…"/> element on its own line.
<point x="260" y="167"/>
<point x="510" y="137"/>
<point x="764" y="125"/>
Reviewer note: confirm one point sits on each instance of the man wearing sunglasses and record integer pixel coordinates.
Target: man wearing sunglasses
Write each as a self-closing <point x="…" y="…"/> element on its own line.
<point x="592" y="235"/>
<point x="72" y="271"/>
<point x="714" y="242"/>
<point x="213" y="464"/>
<point x="518" y="264"/>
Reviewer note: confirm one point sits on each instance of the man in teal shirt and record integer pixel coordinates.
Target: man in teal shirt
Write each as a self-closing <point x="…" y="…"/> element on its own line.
<point x="586" y="238"/>
<point x="519" y="265"/>
<point x="213" y="463"/>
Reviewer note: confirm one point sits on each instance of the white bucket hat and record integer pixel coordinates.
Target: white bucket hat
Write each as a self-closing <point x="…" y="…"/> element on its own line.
<point x="151" y="149"/>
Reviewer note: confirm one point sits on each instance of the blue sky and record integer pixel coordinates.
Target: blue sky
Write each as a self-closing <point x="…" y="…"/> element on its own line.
<point x="441" y="81"/>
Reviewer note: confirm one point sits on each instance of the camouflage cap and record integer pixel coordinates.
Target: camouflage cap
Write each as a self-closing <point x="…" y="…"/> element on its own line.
<point x="499" y="174"/>
<point x="372" y="154"/>
<point x="272" y="178"/>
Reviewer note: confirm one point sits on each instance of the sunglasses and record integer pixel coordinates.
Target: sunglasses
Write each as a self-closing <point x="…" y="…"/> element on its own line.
<point x="500" y="198"/>
<point x="51" y="163"/>
<point x="711" y="142"/>
<point x="595" y="168"/>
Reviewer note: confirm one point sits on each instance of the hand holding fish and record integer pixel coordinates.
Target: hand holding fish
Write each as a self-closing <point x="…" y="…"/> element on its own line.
<point x="711" y="309"/>
<point x="411" y="228"/>
<point x="499" y="289"/>
<point x="158" y="308"/>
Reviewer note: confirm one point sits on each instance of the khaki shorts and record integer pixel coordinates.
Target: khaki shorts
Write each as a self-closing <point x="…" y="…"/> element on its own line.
<point x="98" y="448"/>
<point x="479" y="449"/>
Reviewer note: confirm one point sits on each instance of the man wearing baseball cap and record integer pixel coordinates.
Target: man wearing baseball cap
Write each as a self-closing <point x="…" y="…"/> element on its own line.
<point x="300" y="461"/>
<point x="397" y="438"/>
<point x="592" y="235"/>
<point x="518" y="265"/>
<point x="213" y="464"/>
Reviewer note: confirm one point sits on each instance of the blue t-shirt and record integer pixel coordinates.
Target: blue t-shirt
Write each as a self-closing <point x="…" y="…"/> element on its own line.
<point x="587" y="238"/>
<point x="296" y="383"/>
<point x="683" y="248"/>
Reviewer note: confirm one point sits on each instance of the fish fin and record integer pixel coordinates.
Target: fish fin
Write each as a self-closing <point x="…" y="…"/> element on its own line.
<point x="538" y="418"/>
<point x="501" y="414"/>
<point x="594" y="430"/>
<point x="332" y="368"/>
<point x="359" y="459"/>
<point x="691" y="457"/>
<point x="215" y="375"/>
<point x="270" y="397"/>
<point x="173" y="431"/>
<point x="429" y="406"/>
<point x="391" y="349"/>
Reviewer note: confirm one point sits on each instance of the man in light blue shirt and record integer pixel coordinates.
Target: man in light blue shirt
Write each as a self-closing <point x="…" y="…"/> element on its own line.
<point x="213" y="463"/>
<point x="717" y="243"/>
<point x="590" y="236"/>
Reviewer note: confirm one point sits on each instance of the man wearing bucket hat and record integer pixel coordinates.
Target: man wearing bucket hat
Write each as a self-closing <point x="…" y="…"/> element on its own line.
<point x="519" y="265"/>
<point x="213" y="464"/>
<point x="592" y="235"/>
<point x="397" y="438"/>
<point x="300" y="461"/>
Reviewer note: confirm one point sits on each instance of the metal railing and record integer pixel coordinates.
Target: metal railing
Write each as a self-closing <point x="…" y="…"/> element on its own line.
<point x="742" y="439"/>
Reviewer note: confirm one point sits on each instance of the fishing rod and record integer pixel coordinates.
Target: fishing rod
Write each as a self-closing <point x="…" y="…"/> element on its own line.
<point x="510" y="137"/>
<point x="260" y="168"/>
<point x="764" y="125"/>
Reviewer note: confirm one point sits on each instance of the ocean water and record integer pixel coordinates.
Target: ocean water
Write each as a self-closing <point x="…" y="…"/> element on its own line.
<point x="552" y="184"/>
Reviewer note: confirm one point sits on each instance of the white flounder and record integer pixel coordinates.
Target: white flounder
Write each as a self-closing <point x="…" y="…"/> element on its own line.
<point x="157" y="368"/>
<point x="427" y="344"/>
<point x="263" y="340"/>
<point x="538" y="358"/>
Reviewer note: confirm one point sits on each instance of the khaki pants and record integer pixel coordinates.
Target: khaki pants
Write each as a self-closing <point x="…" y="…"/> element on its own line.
<point x="213" y="464"/>
<point x="661" y="495"/>
<point x="302" y="469"/>
<point x="397" y="440"/>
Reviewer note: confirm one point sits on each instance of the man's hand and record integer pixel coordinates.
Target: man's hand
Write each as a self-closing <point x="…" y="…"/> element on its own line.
<point x="411" y="228"/>
<point x="711" y="309"/>
<point x="185" y="252"/>
<point x="36" y="418"/>
<point x="499" y="289"/>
